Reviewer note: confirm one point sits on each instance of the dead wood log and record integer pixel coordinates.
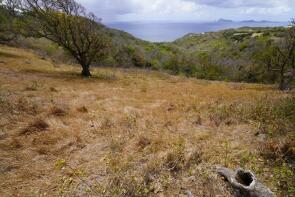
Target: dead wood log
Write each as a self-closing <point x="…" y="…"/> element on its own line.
<point x="244" y="183"/>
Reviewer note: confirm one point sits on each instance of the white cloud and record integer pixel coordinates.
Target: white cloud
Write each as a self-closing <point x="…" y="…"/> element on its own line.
<point x="274" y="11"/>
<point x="243" y="3"/>
<point x="112" y="10"/>
<point x="163" y="6"/>
<point x="139" y="6"/>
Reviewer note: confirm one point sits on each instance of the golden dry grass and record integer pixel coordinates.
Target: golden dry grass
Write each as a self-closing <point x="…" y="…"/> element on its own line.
<point x="122" y="132"/>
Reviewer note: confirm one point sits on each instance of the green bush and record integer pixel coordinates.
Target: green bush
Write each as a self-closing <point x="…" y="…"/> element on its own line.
<point x="6" y="25"/>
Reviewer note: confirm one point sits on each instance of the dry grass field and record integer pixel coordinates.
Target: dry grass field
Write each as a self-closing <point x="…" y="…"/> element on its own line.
<point x="128" y="132"/>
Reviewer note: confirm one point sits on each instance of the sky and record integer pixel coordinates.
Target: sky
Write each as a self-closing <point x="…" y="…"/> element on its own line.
<point x="190" y="10"/>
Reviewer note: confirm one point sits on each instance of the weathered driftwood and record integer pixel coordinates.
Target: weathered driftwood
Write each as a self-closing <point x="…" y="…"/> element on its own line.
<point x="244" y="183"/>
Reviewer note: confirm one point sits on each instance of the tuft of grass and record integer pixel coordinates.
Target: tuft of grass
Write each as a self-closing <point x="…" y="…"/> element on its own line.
<point x="53" y="89"/>
<point x="37" y="126"/>
<point x="143" y="142"/>
<point x="175" y="158"/>
<point x="284" y="176"/>
<point x="194" y="157"/>
<point x="107" y="123"/>
<point x="227" y="147"/>
<point x="34" y="86"/>
<point x="130" y="120"/>
<point x="82" y="109"/>
<point x="15" y="144"/>
<point x="117" y="145"/>
<point x="27" y="106"/>
<point x="123" y="181"/>
<point x="61" y="163"/>
<point x="106" y="76"/>
<point x="56" y="111"/>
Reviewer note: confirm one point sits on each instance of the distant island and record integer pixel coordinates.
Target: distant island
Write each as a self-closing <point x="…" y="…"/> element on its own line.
<point x="222" y="20"/>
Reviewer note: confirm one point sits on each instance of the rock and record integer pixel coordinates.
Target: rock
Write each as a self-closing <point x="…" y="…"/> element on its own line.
<point x="188" y="193"/>
<point x="198" y="120"/>
<point x="150" y="178"/>
<point x="3" y="135"/>
<point x="28" y="62"/>
<point x="244" y="183"/>
<point x="190" y="179"/>
<point x="262" y="137"/>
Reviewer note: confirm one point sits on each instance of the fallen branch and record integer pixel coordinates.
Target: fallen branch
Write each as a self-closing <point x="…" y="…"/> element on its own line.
<point x="244" y="183"/>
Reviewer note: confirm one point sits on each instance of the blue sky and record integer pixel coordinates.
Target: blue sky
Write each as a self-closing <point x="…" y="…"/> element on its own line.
<point x="190" y="10"/>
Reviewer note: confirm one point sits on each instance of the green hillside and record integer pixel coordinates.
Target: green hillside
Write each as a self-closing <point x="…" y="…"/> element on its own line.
<point x="225" y="55"/>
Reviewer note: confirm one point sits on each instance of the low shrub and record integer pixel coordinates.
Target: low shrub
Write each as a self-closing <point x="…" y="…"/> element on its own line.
<point x="143" y="142"/>
<point x="175" y="159"/>
<point x="83" y="109"/>
<point x="57" y="111"/>
<point x="37" y="126"/>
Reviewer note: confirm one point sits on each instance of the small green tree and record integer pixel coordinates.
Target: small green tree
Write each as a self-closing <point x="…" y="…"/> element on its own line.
<point x="281" y="58"/>
<point x="173" y="63"/>
<point x="8" y="19"/>
<point x="67" y="23"/>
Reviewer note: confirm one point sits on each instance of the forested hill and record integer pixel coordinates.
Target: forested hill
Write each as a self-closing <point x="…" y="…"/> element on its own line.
<point x="225" y="55"/>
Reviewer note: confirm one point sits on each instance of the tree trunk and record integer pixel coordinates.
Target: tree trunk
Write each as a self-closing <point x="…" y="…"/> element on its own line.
<point x="282" y="83"/>
<point x="86" y="71"/>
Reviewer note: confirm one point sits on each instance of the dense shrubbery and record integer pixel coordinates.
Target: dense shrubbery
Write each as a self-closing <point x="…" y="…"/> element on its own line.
<point x="8" y="23"/>
<point x="235" y="55"/>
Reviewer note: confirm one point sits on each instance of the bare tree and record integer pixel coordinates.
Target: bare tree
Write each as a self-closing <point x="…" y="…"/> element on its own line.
<point x="67" y="23"/>
<point x="282" y="60"/>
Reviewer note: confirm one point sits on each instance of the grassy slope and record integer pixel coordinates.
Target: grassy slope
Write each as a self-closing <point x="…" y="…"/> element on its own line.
<point x="130" y="132"/>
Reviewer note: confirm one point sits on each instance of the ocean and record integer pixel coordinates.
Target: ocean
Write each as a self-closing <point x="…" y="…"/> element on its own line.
<point x="167" y="32"/>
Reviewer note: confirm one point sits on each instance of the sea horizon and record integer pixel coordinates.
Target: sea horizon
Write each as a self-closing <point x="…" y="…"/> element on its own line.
<point x="168" y="31"/>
